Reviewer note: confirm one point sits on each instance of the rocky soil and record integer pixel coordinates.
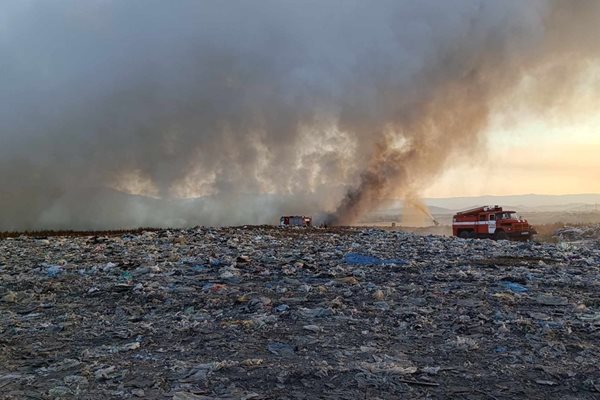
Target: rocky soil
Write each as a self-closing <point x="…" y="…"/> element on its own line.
<point x="270" y="313"/>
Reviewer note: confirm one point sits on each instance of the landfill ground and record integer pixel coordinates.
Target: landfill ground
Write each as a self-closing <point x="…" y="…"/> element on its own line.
<point x="272" y="313"/>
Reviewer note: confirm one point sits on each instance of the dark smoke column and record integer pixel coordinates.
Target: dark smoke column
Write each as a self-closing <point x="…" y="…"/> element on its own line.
<point x="439" y="117"/>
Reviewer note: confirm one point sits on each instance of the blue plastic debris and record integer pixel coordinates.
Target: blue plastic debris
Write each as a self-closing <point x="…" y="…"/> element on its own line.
<point x="215" y="262"/>
<point x="551" y="325"/>
<point x="126" y="276"/>
<point x="53" y="270"/>
<point x="501" y="349"/>
<point x="282" y="308"/>
<point x="281" y="349"/>
<point x="514" y="287"/>
<point x="361" y="259"/>
<point x="199" y="268"/>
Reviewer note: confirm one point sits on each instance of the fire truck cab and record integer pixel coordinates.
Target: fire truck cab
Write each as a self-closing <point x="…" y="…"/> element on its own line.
<point x="491" y="222"/>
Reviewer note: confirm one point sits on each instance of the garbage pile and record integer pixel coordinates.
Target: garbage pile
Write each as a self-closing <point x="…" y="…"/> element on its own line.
<point x="578" y="233"/>
<point x="275" y="313"/>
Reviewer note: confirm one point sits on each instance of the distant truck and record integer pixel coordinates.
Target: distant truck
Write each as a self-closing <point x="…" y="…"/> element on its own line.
<point x="491" y="222"/>
<point x="295" y="221"/>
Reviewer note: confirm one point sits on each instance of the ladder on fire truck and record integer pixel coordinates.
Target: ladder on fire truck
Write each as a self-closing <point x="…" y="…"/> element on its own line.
<point x="478" y="210"/>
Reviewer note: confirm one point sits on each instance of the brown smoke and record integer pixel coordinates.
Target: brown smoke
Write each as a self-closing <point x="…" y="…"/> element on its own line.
<point x="446" y="126"/>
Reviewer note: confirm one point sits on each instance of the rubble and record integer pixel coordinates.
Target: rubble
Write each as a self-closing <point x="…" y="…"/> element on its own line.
<point x="589" y="232"/>
<point x="265" y="313"/>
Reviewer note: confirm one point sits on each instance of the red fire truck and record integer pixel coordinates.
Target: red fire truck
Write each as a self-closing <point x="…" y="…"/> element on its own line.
<point x="295" y="220"/>
<point x="491" y="222"/>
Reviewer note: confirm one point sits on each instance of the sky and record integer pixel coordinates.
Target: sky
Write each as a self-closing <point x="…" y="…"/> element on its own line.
<point x="527" y="150"/>
<point x="536" y="156"/>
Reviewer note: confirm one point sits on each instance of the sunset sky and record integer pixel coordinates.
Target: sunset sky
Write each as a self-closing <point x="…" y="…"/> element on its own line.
<point x="536" y="155"/>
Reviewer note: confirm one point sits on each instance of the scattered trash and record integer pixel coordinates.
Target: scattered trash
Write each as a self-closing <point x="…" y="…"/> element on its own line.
<point x="501" y="349"/>
<point x="431" y="370"/>
<point x="213" y="287"/>
<point x="243" y="259"/>
<point x="53" y="270"/>
<point x="264" y="312"/>
<point x="190" y="396"/>
<point x="578" y="233"/>
<point x="361" y="259"/>
<point x="312" y="328"/>
<point x="545" y="382"/>
<point x="280" y="349"/>
<point x="514" y="287"/>
<point x="59" y="392"/>
<point x="109" y="266"/>
<point x="282" y="308"/>
<point x="548" y="300"/>
<point x="9" y="297"/>
<point x="106" y="373"/>
<point x="126" y="276"/>
<point x="348" y="280"/>
<point x="199" y="268"/>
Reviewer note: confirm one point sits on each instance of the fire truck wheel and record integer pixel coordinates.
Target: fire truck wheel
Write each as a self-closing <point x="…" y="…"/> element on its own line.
<point x="466" y="235"/>
<point x="500" y="235"/>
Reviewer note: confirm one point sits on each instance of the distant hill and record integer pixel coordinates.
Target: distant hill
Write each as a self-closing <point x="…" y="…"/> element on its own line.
<point x="100" y="208"/>
<point x="538" y="209"/>
<point x="525" y="202"/>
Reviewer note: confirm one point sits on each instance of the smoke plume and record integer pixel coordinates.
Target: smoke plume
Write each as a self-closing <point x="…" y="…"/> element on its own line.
<point x="136" y="113"/>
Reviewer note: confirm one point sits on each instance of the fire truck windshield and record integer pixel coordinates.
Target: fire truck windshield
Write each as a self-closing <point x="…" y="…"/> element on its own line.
<point x="506" y="216"/>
